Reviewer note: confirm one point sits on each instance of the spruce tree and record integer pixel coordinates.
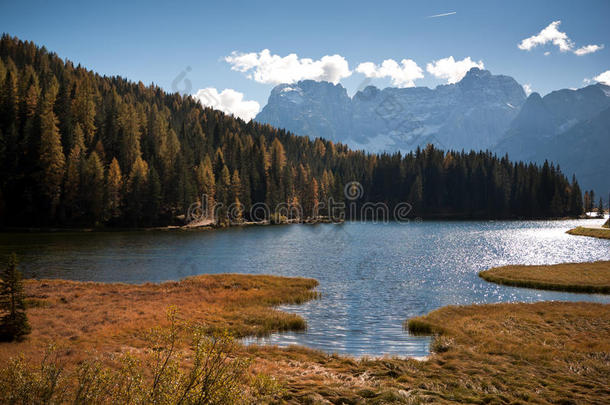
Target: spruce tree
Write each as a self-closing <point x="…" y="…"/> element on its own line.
<point x="600" y="208"/>
<point x="576" y="207"/>
<point x="52" y="159"/>
<point x="587" y="202"/>
<point x="235" y="198"/>
<point x="74" y="174"/>
<point x="136" y="190"/>
<point x="114" y="184"/>
<point x="93" y="187"/>
<point x="153" y="198"/>
<point x="14" y="323"/>
<point x="223" y="195"/>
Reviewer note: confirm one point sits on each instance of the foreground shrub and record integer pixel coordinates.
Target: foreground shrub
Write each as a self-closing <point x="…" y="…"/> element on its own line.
<point x="210" y="371"/>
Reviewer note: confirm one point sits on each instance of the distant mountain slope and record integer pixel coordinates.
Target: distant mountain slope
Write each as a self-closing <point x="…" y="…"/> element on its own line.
<point x="543" y="118"/>
<point x="584" y="149"/>
<point x="471" y="114"/>
<point x="569" y="127"/>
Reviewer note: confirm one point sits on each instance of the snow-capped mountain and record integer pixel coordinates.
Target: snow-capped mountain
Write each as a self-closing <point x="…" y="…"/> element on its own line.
<point x="471" y="114"/>
<point x="482" y="111"/>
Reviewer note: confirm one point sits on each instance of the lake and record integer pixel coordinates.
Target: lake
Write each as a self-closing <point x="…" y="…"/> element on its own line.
<point x="372" y="276"/>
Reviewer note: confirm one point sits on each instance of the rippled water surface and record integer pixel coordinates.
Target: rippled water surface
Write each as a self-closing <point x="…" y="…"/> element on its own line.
<point x="372" y="276"/>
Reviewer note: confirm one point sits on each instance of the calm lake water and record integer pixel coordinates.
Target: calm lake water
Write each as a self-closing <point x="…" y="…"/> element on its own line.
<point x="372" y="276"/>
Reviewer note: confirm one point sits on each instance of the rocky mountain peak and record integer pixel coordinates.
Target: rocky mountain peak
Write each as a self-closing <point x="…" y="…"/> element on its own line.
<point x="472" y="113"/>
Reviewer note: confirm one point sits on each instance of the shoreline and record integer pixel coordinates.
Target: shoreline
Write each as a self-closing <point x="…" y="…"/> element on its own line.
<point x="13" y="229"/>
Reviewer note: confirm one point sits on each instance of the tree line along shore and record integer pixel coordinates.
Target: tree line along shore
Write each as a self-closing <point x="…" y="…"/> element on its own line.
<point x="80" y="149"/>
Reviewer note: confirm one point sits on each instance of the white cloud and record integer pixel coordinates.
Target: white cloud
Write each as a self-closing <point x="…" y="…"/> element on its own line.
<point x="588" y="49"/>
<point x="402" y="75"/>
<point x="452" y="70"/>
<point x="264" y="67"/>
<point x="527" y="88"/>
<point x="229" y="101"/>
<point x="548" y="34"/>
<point x="551" y="34"/>
<point x="547" y="53"/>
<point x="603" y="78"/>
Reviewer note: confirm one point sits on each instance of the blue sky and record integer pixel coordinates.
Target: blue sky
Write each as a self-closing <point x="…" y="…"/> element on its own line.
<point x="156" y="41"/>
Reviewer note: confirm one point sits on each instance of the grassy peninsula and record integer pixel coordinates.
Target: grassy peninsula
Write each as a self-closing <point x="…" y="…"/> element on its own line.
<point x="602" y="232"/>
<point x="593" y="277"/>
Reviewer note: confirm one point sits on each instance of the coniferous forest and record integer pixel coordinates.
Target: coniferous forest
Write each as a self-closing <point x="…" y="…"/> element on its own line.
<point x="80" y="149"/>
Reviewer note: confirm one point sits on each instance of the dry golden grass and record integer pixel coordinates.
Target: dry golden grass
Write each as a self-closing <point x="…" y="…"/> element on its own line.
<point x="548" y="352"/>
<point x="601" y="233"/>
<point x="545" y="353"/>
<point x="593" y="277"/>
<point x="87" y="316"/>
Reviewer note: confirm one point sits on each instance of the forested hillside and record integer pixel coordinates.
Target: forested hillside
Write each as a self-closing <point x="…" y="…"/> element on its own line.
<point x="77" y="148"/>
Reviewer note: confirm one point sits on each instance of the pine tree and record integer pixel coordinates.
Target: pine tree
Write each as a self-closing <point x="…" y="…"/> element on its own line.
<point x="223" y="192"/>
<point x="587" y="202"/>
<point x="136" y="191"/>
<point x="74" y="173"/>
<point x="14" y="323"/>
<point x="235" y="198"/>
<point x="556" y="207"/>
<point x="600" y="208"/>
<point x="576" y="207"/>
<point x="312" y="201"/>
<point x="30" y="108"/>
<point x="93" y="187"/>
<point x="206" y="184"/>
<point x="129" y="133"/>
<point x="153" y="198"/>
<point x="114" y="184"/>
<point x="52" y="159"/>
<point x="275" y="187"/>
<point x="83" y="108"/>
<point x="415" y="196"/>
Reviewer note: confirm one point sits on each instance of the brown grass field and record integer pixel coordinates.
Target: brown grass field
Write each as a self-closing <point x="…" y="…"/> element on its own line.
<point x="98" y="316"/>
<point x="544" y="353"/>
<point x="550" y="352"/>
<point x="601" y="233"/>
<point x="592" y="277"/>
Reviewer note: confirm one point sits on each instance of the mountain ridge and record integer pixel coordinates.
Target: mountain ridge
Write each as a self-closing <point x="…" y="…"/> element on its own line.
<point x="482" y="111"/>
<point x="399" y="119"/>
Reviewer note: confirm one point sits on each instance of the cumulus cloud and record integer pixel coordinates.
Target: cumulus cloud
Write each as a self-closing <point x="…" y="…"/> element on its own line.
<point x="588" y="49"/>
<point x="527" y="88"/>
<point x="229" y="101"/>
<point x="264" y="67"/>
<point x="402" y="75"/>
<point x="451" y="69"/>
<point x="551" y="34"/>
<point x="603" y="78"/>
